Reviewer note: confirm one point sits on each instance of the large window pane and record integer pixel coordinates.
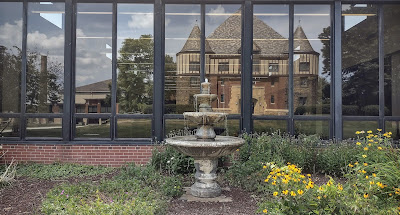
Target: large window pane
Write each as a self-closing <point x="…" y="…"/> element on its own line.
<point x="92" y="128"/>
<point x="223" y="55"/>
<point x="320" y="128"/>
<point x="134" y="128"/>
<point x="350" y="127"/>
<point x="392" y="59"/>
<point x="270" y="126"/>
<point x="44" y="127"/>
<point x="93" y="58"/>
<point x="135" y="58"/>
<point x="9" y="127"/>
<point x="182" y="57"/>
<point x="311" y="66"/>
<point x="270" y="61"/>
<point x="10" y="56"/>
<point x="45" y="57"/>
<point x="360" y="65"/>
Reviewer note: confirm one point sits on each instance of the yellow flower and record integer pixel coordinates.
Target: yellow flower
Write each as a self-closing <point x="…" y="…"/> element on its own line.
<point x="274" y="183"/>
<point x="275" y="193"/>
<point x="357" y="132"/>
<point x="300" y="192"/>
<point x="308" y="175"/>
<point x="365" y="164"/>
<point x="380" y="148"/>
<point x="356" y="163"/>
<point x="365" y="195"/>
<point x="292" y="193"/>
<point x="285" y="181"/>
<point x="340" y="187"/>
<point x="366" y="177"/>
<point x="373" y="174"/>
<point x="318" y="197"/>
<point x="371" y="182"/>
<point x="324" y="196"/>
<point x="237" y="150"/>
<point x="321" y="188"/>
<point x="278" y="174"/>
<point x="369" y="132"/>
<point x="365" y="148"/>
<point x="363" y="171"/>
<point x="364" y="156"/>
<point x="358" y="143"/>
<point x="379" y="130"/>
<point x="285" y="192"/>
<point x="265" y="211"/>
<point x="369" y="144"/>
<point x="266" y="180"/>
<point x="264" y="167"/>
<point x="274" y="177"/>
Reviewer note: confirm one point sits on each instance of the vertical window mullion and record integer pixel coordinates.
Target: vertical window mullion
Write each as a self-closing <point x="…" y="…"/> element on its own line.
<point x="381" y="123"/>
<point x="113" y="129"/>
<point x="332" y="88"/>
<point x="73" y="70"/>
<point x="337" y="72"/>
<point x="202" y="43"/>
<point x="67" y="118"/>
<point x="24" y="68"/>
<point x="159" y="73"/>
<point x="247" y="67"/>
<point x="291" y="50"/>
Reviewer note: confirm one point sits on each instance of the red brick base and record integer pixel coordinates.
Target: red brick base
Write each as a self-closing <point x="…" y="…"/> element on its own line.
<point x="105" y="155"/>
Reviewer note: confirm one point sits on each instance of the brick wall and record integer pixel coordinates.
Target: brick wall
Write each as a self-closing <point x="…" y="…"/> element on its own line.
<point x="105" y="155"/>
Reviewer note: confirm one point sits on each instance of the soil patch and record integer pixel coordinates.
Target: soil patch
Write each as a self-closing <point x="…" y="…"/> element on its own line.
<point x="25" y="195"/>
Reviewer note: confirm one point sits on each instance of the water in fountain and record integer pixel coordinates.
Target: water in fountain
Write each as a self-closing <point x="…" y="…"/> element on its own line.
<point x="205" y="146"/>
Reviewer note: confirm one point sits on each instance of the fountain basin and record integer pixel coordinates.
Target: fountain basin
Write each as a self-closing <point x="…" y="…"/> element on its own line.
<point x="201" y="149"/>
<point x="205" y="154"/>
<point x="205" y="122"/>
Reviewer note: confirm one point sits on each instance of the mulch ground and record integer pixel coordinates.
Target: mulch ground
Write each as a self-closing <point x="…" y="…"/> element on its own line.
<point x="25" y="195"/>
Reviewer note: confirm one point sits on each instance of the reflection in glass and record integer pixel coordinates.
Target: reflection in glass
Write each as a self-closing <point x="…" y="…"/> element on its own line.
<point x="9" y="127"/>
<point x="270" y="62"/>
<point x="177" y="127"/>
<point x="92" y="128"/>
<point x="45" y="58"/>
<point x="320" y="128"/>
<point x="311" y="67"/>
<point x="134" y="128"/>
<point x="350" y="127"/>
<point x="270" y="126"/>
<point x="182" y="57"/>
<point x="44" y="127"/>
<point x="392" y="59"/>
<point x="10" y="56"/>
<point x="93" y="58"/>
<point x="394" y="127"/>
<point x="223" y="54"/>
<point x="135" y="58"/>
<point x="360" y="60"/>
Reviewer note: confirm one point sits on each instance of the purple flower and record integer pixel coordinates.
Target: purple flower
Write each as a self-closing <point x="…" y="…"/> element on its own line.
<point x="62" y="192"/>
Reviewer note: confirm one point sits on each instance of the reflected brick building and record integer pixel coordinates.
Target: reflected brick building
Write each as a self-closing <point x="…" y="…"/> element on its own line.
<point x="270" y="68"/>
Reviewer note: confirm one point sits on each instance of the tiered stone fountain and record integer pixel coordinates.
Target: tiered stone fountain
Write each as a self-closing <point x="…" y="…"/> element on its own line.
<point x="205" y="146"/>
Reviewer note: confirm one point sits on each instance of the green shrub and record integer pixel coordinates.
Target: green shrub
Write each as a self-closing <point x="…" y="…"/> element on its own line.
<point x="168" y="160"/>
<point x="300" y="110"/>
<point x="350" y="110"/>
<point x="150" y="177"/>
<point x="60" y="170"/>
<point x="110" y="197"/>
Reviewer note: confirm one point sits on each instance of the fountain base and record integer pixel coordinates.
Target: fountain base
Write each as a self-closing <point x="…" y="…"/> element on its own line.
<point x="205" y="185"/>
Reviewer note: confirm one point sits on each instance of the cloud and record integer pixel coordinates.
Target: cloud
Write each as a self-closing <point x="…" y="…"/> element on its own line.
<point x="141" y="21"/>
<point x="11" y="34"/>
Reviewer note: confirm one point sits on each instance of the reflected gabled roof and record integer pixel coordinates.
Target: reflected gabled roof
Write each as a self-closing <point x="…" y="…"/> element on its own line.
<point x="101" y="86"/>
<point x="193" y="42"/>
<point x="301" y="43"/>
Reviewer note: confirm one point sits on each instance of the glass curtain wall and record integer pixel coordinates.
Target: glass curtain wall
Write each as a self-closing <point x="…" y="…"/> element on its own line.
<point x="135" y="56"/>
<point x="392" y="67"/>
<point x="10" y="66"/>
<point x="223" y="34"/>
<point x="270" y="66"/>
<point x="360" y="66"/>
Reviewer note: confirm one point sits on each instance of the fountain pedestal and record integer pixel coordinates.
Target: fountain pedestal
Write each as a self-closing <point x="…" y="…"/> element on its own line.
<point x="206" y="173"/>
